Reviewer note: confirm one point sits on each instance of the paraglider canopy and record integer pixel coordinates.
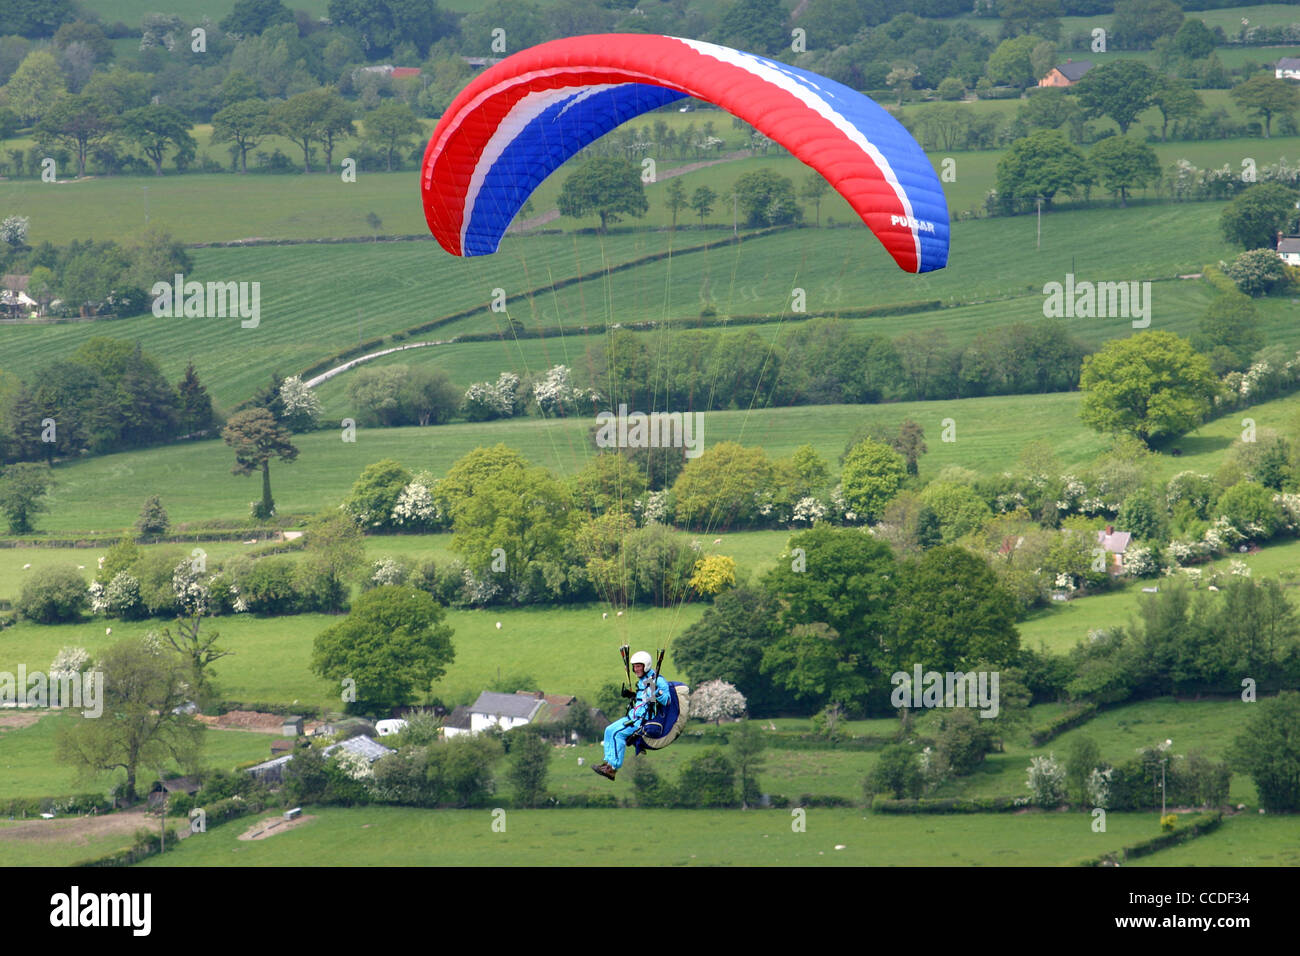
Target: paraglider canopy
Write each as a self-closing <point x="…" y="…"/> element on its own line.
<point x="521" y="119"/>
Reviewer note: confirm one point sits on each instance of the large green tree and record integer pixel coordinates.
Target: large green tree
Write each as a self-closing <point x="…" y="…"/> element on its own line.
<point x="79" y="123"/>
<point x="766" y="198"/>
<point x="244" y="124"/>
<point x="1120" y="89"/>
<point x="1269" y="750"/>
<point x="144" y="687"/>
<point x="1255" y="217"/>
<point x="608" y="187"/>
<point x="394" y="645"/>
<point x="1152" y="385"/>
<point x="1139" y="23"/>
<point x="391" y="128"/>
<point x="1041" y="164"/>
<point x="22" y="486"/>
<point x="716" y="490"/>
<point x="835" y="589"/>
<point x="951" y="614"/>
<point x="872" y="474"/>
<point x="1266" y="95"/>
<point x="1122" y="164"/>
<point x="156" y="129"/>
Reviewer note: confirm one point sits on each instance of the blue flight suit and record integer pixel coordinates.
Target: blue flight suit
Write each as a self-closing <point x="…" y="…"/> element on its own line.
<point x="650" y="688"/>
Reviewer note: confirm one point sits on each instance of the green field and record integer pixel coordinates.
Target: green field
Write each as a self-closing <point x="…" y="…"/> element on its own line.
<point x="1246" y="839"/>
<point x="27" y="767"/>
<point x="397" y="836"/>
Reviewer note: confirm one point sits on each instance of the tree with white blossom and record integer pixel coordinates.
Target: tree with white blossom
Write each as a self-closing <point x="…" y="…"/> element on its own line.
<point x="716" y="700"/>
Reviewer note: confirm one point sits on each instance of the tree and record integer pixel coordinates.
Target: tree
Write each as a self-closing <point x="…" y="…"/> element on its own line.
<point x="374" y="494"/>
<point x="1011" y="62"/>
<point x="1257" y="271"/>
<point x="1194" y="40"/>
<point x="606" y="186"/>
<point x="1266" y="95"/>
<point x="79" y="123"/>
<point x="196" y="652"/>
<point x="872" y="474"/>
<point x="256" y="437"/>
<point x="153" y="517"/>
<point x="1139" y="23"/>
<point x="515" y="526"/>
<point x="814" y="188"/>
<point x="716" y="490"/>
<point x="1269" y="750"/>
<point x="22" y="486"/>
<point x="702" y="201"/>
<point x="195" y="414"/>
<point x="391" y="127"/>
<point x="766" y="198"/>
<point x="300" y="406"/>
<point x="1122" y="164"/>
<point x="715" y="699"/>
<point x="1151" y="385"/>
<point x="141" y="726"/>
<point x="303" y="119"/>
<point x="336" y="123"/>
<point x="897" y="771"/>
<point x="726" y="644"/>
<point x="951" y="614"/>
<point x="757" y="25"/>
<point x="675" y="199"/>
<point x="251" y="17"/>
<point x="157" y="129"/>
<point x="1176" y="100"/>
<point x="530" y="758"/>
<point x="747" y="756"/>
<point x="245" y="124"/>
<point x="1120" y="89"/>
<point x="1030" y="16"/>
<point x="1041" y="164"/>
<point x="35" y="86"/>
<point x="335" y="551"/>
<point x="834" y="605"/>
<point x="1082" y="758"/>
<point x="394" y="644"/>
<point x="1254" y="218"/>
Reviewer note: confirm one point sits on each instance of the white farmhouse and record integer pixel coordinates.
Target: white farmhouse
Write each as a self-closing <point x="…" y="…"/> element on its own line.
<point x="503" y="710"/>
<point x="1287" y="68"/>
<point x="1288" y="250"/>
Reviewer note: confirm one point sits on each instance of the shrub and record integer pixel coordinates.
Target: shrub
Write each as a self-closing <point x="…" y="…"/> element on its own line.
<point x="268" y="586"/>
<point x="53" y="596"/>
<point x="897" y="772"/>
<point x="708" y="780"/>
<point x="1046" y="781"/>
<point x="963" y="741"/>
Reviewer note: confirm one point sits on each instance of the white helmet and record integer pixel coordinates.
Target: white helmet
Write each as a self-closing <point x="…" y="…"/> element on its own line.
<point x="642" y="657"/>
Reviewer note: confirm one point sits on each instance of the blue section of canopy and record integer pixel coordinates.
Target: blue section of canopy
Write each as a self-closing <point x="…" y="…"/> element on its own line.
<point x="543" y="145"/>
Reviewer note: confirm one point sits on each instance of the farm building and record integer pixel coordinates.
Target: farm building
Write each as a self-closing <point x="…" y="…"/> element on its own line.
<point x="457" y="722"/>
<point x="1067" y="74"/>
<point x="362" y="745"/>
<point x="1114" y="543"/>
<point x="186" y="785"/>
<point x="1288" y="68"/>
<point x="271" y="771"/>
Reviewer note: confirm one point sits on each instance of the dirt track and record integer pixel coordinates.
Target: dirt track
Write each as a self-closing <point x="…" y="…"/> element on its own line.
<point x="75" y="831"/>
